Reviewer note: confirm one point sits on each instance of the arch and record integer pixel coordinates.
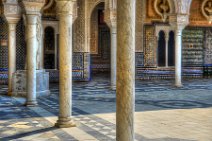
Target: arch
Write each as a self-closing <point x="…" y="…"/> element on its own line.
<point x="92" y="8"/>
<point x="161" y="49"/>
<point x="92" y="35"/>
<point x="99" y="41"/>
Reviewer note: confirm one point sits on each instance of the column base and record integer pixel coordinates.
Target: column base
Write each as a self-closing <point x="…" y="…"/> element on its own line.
<point x="113" y="88"/>
<point x="65" y="123"/>
<point x="31" y="103"/>
<point x="178" y="85"/>
<point x="10" y="93"/>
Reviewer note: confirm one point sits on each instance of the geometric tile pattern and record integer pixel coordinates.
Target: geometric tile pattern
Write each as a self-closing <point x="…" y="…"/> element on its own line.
<point x="21" y="123"/>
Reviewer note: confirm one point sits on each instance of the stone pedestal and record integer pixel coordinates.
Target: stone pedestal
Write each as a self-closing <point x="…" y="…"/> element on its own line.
<point x="19" y="83"/>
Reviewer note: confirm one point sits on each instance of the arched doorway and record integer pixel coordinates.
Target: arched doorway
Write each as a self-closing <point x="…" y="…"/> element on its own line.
<point x="161" y="49"/>
<point x="49" y="48"/>
<point x="100" y="43"/>
<point x="171" y="49"/>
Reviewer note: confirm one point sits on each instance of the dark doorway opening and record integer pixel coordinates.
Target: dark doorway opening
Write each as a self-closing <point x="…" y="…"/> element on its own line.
<point x="161" y="49"/>
<point x="49" y="48"/>
<point x="171" y="49"/>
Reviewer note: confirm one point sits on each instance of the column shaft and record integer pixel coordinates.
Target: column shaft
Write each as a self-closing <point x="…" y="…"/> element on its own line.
<point x="178" y="57"/>
<point x="11" y="54"/>
<point x="32" y="45"/>
<point x="65" y="65"/>
<point x="125" y="70"/>
<point x="113" y="56"/>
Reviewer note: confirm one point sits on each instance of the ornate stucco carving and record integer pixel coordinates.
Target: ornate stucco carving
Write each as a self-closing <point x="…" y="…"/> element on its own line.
<point x="206" y="9"/>
<point x="162" y="8"/>
<point x="158" y="10"/>
<point x="196" y="17"/>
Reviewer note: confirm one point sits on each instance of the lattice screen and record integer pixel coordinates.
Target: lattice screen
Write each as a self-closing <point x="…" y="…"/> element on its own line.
<point x="3" y="45"/>
<point x="20" y="45"/>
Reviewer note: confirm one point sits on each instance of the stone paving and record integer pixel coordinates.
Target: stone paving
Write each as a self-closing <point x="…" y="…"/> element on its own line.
<point x="163" y="113"/>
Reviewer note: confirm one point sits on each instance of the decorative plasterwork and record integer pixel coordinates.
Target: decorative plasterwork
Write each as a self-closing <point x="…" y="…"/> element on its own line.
<point x="162" y="8"/>
<point x="206" y="9"/>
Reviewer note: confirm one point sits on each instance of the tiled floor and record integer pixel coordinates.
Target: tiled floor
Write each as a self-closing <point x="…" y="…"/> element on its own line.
<point x="163" y="113"/>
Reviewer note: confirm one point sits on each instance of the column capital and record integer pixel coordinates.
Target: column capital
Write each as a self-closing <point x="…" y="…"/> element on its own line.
<point x="11" y="11"/>
<point x="33" y="7"/>
<point x="179" y="21"/>
<point x="67" y="7"/>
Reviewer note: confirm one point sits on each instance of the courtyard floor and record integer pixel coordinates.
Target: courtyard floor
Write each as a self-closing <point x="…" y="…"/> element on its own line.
<point x="163" y="113"/>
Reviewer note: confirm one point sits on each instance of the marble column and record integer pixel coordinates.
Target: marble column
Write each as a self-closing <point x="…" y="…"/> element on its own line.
<point x="11" y="54"/>
<point x="178" y="56"/>
<point x="32" y="44"/>
<point x="12" y="13"/>
<point x="113" y="31"/>
<point x="125" y="88"/>
<point x="65" y="16"/>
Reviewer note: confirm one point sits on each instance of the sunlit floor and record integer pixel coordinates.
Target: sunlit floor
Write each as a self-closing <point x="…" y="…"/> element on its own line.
<point x="163" y="113"/>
